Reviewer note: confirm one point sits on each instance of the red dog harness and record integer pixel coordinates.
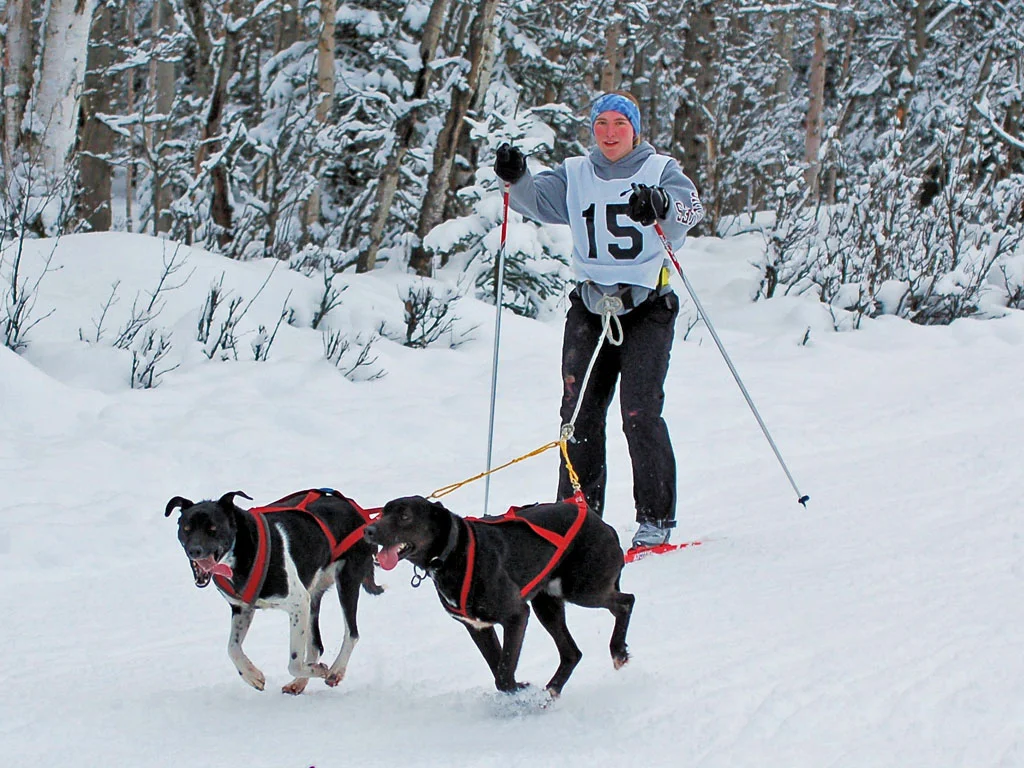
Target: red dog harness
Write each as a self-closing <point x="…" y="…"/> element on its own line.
<point x="560" y="542"/>
<point x="258" y="575"/>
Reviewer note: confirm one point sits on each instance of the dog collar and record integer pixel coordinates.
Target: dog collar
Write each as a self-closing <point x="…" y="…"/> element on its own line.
<point x="253" y="585"/>
<point x="453" y="539"/>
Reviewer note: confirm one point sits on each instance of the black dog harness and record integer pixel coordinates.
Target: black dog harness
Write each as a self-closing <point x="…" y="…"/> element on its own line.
<point x="258" y="575"/>
<point x="560" y="542"/>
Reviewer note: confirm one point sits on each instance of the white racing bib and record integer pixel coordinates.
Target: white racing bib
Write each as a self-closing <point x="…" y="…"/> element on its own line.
<point x="608" y="246"/>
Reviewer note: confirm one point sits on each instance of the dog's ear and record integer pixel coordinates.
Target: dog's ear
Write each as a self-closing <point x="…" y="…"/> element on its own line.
<point x="437" y="507"/>
<point x="173" y="504"/>
<point x="227" y="501"/>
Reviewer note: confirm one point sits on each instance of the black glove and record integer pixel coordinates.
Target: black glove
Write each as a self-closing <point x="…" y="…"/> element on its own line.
<point x="647" y="204"/>
<point x="509" y="163"/>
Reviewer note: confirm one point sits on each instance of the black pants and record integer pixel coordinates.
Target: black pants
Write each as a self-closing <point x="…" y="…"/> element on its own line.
<point x="640" y="364"/>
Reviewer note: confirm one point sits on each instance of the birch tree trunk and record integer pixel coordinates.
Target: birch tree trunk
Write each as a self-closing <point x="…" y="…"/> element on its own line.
<point x="816" y="103"/>
<point x="220" y="202"/>
<point x="846" y="54"/>
<point x="691" y="129"/>
<point x="782" y="39"/>
<point x="195" y="16"/>
<point x="916" y="42"/>
<point x="287" y="31"/>
<point x="59" y="82"/>
<point x="611" y="72"/>
<point x="129" y="87"/>
<point x="432" y="209"/>
<point x="17" y="74"/>
<point x="404" y="130"/>
<point x="463" y="173"/>
<point x="96" y="140"/>
<point x="161" y="97"/>
<point x="325" y="84"/>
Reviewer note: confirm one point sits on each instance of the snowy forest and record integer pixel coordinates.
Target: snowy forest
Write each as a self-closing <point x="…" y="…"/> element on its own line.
<point x="876" y="144"/>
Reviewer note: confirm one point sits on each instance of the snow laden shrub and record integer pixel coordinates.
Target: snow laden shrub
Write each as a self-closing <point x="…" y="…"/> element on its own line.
<point x="355" y="359"/>
<point x="536" y="259"/>
<point x="790" y="242"/>
<point x="962" y="231"/>
<point x="430" y="315"/>
<point x="148" y="353"/>
<point x="147" y="343"/>
<point x="33" y="204"/>
<point x="870" y="236"/>
<point x="217" y="328"/>
<point x="19" y="292"/>
<point x="535" y="269"/>
<point x="270" y="183"/>
<point x="263" y="340"/>
<point x="327" y="263"/>
<point x="36" y="202"/>
<point x="1006" y="281"/>
<point x="273" y="167"/>
<point x="883" y="248"/>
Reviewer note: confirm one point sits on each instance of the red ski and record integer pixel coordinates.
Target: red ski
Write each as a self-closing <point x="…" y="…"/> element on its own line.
<point x="639" y="553"/>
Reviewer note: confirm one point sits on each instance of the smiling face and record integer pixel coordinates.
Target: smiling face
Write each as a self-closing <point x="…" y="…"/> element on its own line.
<point x="411" y="529"/>
<point x="614" y="135"/>
<point x="207" y="533"/>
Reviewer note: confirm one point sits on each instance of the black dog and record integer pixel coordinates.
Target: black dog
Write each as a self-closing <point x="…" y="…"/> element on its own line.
<point x="282" y="556"/>
<point x="486" y="569"/>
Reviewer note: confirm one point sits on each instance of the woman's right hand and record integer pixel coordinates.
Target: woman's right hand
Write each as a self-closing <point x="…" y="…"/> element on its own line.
<point x="509" y="163"/>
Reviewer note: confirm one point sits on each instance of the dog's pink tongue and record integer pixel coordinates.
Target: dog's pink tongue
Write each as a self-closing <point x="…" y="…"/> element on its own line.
<point x="388" y="557"/>
<point x="209" y="565"/>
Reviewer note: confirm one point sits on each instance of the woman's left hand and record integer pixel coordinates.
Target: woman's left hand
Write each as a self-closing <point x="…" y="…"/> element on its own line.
<point x="647" y="204"/>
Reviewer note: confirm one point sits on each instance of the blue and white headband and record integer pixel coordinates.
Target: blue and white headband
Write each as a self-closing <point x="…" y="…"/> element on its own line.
<point x="616" y="103"/>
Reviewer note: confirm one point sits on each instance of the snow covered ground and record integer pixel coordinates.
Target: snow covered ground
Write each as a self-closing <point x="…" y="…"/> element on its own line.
<point x="881" y="626"/>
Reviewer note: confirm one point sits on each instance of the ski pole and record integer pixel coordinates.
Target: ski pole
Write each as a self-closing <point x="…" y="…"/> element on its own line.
<point x="803" y="499"/>
<point x="499" y="285"/>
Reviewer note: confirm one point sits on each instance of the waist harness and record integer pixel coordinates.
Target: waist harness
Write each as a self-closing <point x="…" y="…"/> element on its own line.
<point x="260" y="566"/>
<point x="621" y="297"/>
<point x="559" y="541"/>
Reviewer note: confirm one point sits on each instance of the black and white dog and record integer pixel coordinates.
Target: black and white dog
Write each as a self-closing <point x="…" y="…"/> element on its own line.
<point x="487" y="570"/>
<point x="285" y="556"/>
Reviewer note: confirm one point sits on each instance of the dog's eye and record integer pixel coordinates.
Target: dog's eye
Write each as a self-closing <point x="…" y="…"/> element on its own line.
<point x="212" y="529"/>
<point x="186" y="528"/>
<point x="406" y="516"/>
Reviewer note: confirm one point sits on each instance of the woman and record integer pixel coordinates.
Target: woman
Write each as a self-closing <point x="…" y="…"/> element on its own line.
<point x="610" y="199"/>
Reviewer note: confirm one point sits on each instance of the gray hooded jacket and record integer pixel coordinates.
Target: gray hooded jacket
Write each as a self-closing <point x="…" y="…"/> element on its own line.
<point x="542" y="197"/>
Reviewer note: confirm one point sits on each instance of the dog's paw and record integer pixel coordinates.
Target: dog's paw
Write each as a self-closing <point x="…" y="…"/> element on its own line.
<point x="523" y="701"/>
<point x="619" y="660"/>
<point x="296" y="686"/>
<point x="334" y="678"/>
<point x="511" y="687"/>
<point x="371" y="586"/>
<point x="254" y="678"/>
